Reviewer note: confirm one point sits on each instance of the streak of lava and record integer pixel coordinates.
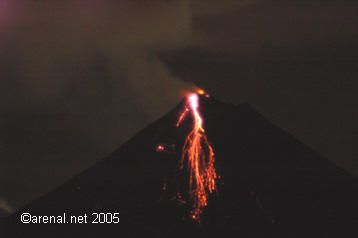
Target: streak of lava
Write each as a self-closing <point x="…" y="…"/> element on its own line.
<point x="199" y="155"/>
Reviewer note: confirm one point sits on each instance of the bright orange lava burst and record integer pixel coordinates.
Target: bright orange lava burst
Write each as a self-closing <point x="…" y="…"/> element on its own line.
<point x="199" y="155"/>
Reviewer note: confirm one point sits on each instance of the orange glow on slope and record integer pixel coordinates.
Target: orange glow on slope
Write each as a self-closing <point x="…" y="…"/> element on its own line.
<point x="200" y="158"/>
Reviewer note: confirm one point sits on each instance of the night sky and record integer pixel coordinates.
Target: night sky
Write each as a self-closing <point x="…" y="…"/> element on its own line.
<point x="78" y="78"/>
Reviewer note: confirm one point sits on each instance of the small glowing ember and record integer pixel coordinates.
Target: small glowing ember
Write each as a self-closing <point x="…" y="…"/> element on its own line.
<point x="160" y="148"/>
<point x="200" y="158"/>
<point x="200" y="92"/>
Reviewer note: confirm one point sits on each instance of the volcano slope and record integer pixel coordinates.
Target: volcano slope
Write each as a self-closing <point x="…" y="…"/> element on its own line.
<point x="270" y="185"/>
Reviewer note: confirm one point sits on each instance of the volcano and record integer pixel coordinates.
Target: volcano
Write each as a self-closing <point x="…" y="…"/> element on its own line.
<point x="269" y="185"/>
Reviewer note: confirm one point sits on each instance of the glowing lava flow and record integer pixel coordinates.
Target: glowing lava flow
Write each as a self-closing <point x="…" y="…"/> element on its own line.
<point x="200" y="158"/>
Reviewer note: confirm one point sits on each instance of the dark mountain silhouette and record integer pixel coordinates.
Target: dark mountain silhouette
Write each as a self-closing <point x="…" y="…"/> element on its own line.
<point x="271" y="186"/>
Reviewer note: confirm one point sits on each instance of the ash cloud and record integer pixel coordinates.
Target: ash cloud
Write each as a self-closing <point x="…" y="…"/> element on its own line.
<point x="78" y="78"/>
